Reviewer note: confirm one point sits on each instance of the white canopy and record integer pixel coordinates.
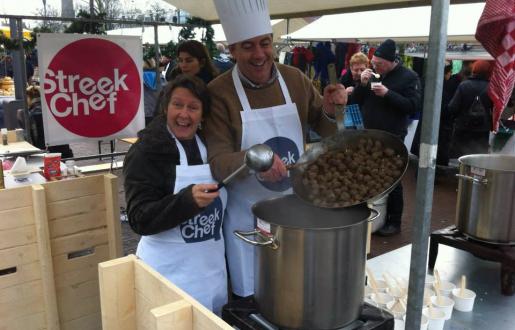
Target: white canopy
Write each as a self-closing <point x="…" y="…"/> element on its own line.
<point x="304" y="8"/>
<point x="408" y="24"/>
<point x="167" y="33"/>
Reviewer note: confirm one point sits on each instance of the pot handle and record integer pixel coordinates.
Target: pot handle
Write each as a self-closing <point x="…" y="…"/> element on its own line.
<point x="269" y="241"/>
<point x="469" y="178"/>
<point x="371" y="218"/>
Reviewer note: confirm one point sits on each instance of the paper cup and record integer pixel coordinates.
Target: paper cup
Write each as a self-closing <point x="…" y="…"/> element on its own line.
<point x="424" y="322"/>
<point x="463" y="303"/>
<point x="430" y="279"/>
<point x="381" y="286"/>
<point x="428" y="293"/>
<point x="374" y="83"/>
<point x="446" y="305"/>
<point x="436" y="320"/>
<point x="381" y="299"/>
<point x="446" y="288"/>
<point x="398" y="325"/>
<point x="396" y="309"/>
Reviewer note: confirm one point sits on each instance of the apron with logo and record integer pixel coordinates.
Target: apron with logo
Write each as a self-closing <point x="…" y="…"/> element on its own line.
<point x="279" y="127"/>
<point x="192" y="255"/>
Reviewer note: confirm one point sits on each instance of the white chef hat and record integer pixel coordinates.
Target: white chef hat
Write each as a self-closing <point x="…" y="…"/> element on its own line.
<point x="243" y="19"/>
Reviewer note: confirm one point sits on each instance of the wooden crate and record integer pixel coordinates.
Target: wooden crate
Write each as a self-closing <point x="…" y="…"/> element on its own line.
<point x="135" y="297"/>
<point x="52" y="237"/>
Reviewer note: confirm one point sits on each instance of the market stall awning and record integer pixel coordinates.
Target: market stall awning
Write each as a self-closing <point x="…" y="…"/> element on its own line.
<point x="6" y="31"/>
<point x="407" y="24"/>
<point x="305" y="8"/>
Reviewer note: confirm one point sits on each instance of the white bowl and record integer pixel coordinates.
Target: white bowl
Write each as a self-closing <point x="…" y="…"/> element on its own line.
<point x="463" y="303"/>
<point x="20" y="175"/>
<point x="423" y="321"/>
<point x="436" y="319"/>
<point x="446" y="288"/>
<point x="445" y="304"/>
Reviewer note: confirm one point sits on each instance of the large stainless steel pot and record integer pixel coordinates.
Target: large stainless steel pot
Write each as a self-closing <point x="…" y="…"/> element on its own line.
<point x="342" y="140"/>
<point x="310" y="269"/>
<point x="486" y="198"/>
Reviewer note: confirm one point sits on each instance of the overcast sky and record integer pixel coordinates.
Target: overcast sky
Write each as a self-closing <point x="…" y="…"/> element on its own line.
<point x="30" y="7"/>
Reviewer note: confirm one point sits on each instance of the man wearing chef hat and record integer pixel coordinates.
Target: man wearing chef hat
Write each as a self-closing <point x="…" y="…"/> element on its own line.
<point x="258" y="101"/>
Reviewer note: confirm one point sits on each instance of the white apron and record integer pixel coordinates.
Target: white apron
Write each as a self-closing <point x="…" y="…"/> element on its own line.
<point x="280" y="128"/>
<point x="192" y="255"/>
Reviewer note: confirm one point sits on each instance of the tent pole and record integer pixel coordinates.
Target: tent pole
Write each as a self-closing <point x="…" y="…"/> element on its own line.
<point x="157" y="54"/>
<point x="427" y="160"/>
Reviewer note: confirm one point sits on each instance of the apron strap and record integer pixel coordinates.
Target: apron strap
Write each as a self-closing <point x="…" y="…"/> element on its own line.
<point x="239" y="89"/>
<point x="241" y="92"/>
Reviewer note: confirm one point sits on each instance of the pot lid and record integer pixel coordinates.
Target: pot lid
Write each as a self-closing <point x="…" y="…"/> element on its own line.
<point x="289" y="211"/>
<point x="494" y="162"/>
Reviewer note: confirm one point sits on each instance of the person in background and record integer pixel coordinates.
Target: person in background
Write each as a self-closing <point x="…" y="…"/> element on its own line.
<point x="358" y="63"/>
<point x="193" y="59"/>
<point x="387" y="106"/>
<point x="258" y="101"/>
<point x="167" y="187"/>
<point x="470" y="137"/>
<point x="223" y="61"/>
<point x="36" y="131"/>
<point x="446" y="122"/>
<point x="151" y="89"/>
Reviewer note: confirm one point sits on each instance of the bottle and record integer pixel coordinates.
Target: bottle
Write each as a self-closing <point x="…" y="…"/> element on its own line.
<point x="2" y="184"/>
<point x="4" y="136"/>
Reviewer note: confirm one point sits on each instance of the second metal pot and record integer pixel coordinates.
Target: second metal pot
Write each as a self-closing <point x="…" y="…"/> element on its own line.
<point x="310" y="267"/>
<point x="485" y="208"/>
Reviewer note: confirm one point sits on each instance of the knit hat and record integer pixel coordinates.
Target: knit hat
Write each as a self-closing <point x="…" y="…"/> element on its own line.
<point x="386" y="50"/>
<point x="242" y="20"/>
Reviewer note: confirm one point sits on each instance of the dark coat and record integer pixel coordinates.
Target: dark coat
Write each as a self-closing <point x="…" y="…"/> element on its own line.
<point x="37" y="133"/>
<point x="391" y="112"/>
<point x="149" y="170"/>
<point x="465" y="95"/>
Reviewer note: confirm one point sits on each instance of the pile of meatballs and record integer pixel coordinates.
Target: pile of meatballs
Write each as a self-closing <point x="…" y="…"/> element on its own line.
<point x="344" y="177"/>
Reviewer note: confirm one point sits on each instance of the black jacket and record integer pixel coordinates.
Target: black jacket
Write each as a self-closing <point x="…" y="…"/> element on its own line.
<point x="465" y="95"/>
<point x="390" y="113"/>
<point x="149" y="170"/>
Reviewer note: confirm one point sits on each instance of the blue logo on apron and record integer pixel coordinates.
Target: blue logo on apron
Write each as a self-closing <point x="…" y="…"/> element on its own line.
<point x="287" y="150"/>
<point x="204" y="226"/>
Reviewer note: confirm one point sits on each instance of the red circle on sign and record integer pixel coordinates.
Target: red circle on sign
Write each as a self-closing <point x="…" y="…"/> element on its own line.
<point x="92" y="87"/>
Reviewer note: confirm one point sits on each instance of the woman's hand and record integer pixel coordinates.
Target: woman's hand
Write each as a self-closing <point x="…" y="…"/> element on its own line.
<point x="202" y="195"/>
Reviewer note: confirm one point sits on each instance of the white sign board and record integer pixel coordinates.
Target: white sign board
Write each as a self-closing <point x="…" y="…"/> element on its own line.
<point x="91" y="87"/>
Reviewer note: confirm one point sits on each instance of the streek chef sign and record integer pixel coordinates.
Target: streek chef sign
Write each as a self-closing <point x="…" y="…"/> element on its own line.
<point x="91" y="87"/>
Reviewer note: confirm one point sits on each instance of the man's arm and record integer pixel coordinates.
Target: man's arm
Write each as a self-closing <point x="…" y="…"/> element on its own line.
<point x="224" y="153"/>
<point x="409" y="100"/>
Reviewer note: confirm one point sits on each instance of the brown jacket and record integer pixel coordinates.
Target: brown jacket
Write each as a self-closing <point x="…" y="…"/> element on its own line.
<point x="223" y="129"/>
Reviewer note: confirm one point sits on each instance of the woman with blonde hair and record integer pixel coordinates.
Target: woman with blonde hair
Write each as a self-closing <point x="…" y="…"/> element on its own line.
<point x="357" y="64"/>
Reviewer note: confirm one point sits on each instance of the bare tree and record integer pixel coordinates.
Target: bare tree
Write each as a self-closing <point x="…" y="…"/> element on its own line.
<point x="53" y="26"/>
<point x="156" y="11"/>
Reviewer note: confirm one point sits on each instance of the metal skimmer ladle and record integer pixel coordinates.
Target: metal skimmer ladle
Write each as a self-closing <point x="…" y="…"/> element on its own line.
<point x="259" y="158"/>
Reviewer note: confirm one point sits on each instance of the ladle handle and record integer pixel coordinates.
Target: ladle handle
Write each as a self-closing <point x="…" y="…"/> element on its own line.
<point x="229" y="178"/>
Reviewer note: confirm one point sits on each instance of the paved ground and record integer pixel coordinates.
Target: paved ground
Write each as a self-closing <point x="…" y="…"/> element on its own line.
<point x="444" y="202"/>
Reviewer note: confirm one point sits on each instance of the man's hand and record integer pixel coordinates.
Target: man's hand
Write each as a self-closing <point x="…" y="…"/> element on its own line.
<point x="334" y="94"/>
<point x="349" y="90"/>
<point x="202" y="195"/>
<point x="365" y="76"/>
<point x="380" y="90"/>
<point x="275" y="173"/>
